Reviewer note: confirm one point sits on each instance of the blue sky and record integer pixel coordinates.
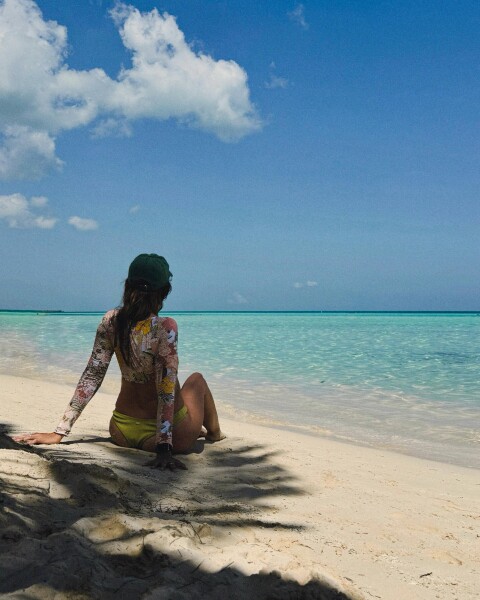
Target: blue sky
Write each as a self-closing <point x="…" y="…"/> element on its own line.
<point x="281" y="155"/>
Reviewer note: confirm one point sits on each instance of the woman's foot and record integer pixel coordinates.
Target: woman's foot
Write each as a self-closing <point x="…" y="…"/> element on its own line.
<point x="214" y="436"/>
<point x="211" y="436"/>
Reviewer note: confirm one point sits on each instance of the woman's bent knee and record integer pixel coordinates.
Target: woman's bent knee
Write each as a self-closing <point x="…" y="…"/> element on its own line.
<point x="196" y="379"/>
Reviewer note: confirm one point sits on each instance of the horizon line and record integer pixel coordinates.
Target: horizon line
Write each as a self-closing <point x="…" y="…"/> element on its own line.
<point x="327" y="311"/>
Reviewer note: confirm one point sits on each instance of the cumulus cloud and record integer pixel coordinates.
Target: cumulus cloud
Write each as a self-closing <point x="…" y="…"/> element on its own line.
<point x="25" y="153"/>
<point x="312" y="283"/>
<point x="40" y="96"/>
<point x="16" y="210"/>
<point x="134" y="209"/>
<point x="168" y="79"/>
<point x="297" y="15"/>
<point x="83" y="224"/>
<point x="237" y="298"/>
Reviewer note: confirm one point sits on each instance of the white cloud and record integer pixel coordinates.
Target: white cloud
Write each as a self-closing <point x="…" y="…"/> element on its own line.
<point x="168" y="79"/>
<point x="237" y="298"/>
<point x="298" y="16"/>
<point x="40" y="96"/>
<point x="83" y="224"/>
<point x="15" y="209"/>
<point x="134" y="209"/>
<point x="45" y="222"/>
<point x="25" y="153"/>
<point x="276" y="82"/>
<point x="297" y="285"/>
<point x="38" y="201"/>
<point x="112" y="128"/>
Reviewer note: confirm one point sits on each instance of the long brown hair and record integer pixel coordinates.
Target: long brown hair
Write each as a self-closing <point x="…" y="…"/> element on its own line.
<point x="139" y="302"/>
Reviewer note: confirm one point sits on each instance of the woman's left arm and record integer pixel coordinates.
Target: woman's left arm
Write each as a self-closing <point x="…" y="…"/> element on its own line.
<point x="166" y="368"/>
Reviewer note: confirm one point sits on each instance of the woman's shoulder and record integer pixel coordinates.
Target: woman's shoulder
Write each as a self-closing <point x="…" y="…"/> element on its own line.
<point x="167" y="336"/>
<point x="110" y="315"/>
<point x="108" y="319"/>
<point x="166" y="325"/>
<point x="163" y="320"/>
<point x="167" y="322"/>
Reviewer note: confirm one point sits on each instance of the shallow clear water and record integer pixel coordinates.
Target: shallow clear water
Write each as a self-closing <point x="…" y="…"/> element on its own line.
<point x="404" y="381"/>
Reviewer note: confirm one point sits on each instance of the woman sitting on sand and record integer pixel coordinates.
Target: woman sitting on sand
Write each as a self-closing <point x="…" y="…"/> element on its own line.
<point x="152" y="412"/>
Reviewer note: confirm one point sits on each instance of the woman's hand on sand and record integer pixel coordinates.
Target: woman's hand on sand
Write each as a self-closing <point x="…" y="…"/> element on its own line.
<point x="166" y="462"/>
<point x="32" y="439"/>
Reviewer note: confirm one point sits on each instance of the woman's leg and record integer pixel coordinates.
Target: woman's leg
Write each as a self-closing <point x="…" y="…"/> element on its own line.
<point x="197" y="397"/>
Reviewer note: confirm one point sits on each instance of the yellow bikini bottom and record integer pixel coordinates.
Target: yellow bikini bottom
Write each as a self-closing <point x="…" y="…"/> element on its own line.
<point x="136" y="431"/>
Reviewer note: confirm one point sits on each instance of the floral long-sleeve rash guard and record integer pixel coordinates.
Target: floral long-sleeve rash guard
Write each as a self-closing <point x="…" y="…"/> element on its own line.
<point x="154" y="354"/>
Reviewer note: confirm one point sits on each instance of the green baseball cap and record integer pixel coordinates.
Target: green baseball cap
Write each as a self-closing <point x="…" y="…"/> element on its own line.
<point x="149" y="268"/>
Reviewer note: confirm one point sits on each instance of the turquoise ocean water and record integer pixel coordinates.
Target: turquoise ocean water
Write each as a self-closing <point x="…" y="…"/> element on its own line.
<point x="409" y="382"/>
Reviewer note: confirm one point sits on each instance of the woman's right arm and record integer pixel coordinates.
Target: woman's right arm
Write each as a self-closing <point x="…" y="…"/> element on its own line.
<point x="92" y="377"/>
<point x="87" y="386"/>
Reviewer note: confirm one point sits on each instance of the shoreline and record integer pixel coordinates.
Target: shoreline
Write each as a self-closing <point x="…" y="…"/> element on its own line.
<point x="439" y="452"/>
<point x="442" y="452"/>
<point x="320" y="512"/>
<point x="333" y="437"/>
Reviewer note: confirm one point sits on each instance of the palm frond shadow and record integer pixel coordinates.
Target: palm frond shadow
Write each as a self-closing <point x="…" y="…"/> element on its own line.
<point x="237" y="482"/>
<point x="68" y="531"/>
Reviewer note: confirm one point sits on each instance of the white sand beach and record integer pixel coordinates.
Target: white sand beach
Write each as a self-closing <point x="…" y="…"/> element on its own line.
<point x="266" y="513"/>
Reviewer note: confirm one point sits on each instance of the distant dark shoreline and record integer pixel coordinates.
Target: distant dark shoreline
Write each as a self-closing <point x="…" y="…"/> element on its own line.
<point x="326" y="312"/>
<point x="33" y="310"/>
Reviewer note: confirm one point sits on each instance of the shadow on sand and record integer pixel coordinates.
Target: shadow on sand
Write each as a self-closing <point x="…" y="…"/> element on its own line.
<point x="61" y="535"/>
